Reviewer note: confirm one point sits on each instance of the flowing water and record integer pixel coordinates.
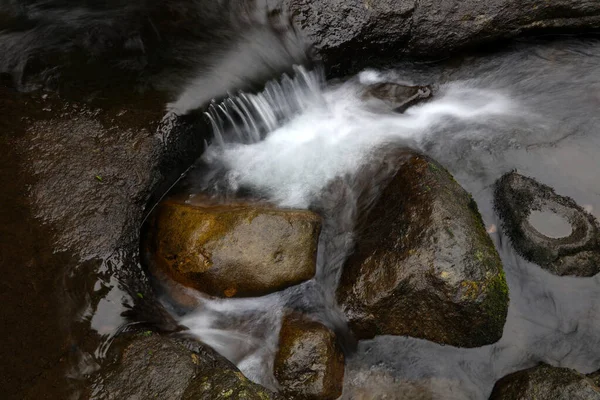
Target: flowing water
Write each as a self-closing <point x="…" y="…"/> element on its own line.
<point x="533" y="108"/>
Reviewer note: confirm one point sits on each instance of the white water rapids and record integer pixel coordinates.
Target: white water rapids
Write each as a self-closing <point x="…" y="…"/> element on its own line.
<point x="329" y="132"/>
<point x="521" y="110"/>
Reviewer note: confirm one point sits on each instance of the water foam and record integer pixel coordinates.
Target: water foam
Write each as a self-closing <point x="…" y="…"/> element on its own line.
<point x="328" y="132"/>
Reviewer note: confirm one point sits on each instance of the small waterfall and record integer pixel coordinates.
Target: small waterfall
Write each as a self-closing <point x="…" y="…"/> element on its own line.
<point x="247" y="118"/>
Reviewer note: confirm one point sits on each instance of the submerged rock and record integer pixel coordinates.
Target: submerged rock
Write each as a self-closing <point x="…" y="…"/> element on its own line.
<point x="354" y="34"/>
<point x="526" y="207"/>
<point x="423" y="264"/>
<point x="309" y="363"/>
<point x="546" y="382"/>
<point x="235" y="250"/>
<point x="395" y="96"/>
<point x="160" y="367"/>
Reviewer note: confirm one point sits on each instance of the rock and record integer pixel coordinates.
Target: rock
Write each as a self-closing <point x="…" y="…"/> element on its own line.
<point x="569" y="247"/>
<point x="160" y="367"/>
<point x="81" y="174"/>
<point x="423" y="264"/>
<point x="395" y="96"/>
<point x="546" y="382"/>
<point x="235" y="250"/>
<point x="351" y="35"/>
<point x="309" y="363"/>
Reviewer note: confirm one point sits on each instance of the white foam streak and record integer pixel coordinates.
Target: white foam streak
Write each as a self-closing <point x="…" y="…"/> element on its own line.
<point x="245" y="331"/>
<point x="335" y="134"/>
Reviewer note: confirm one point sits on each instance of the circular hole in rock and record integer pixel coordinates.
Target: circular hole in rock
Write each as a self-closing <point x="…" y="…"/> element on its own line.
<point x="550" y="224"/>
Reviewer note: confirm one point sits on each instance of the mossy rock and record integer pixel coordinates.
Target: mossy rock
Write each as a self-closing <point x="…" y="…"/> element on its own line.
<point x="424" y="265"/>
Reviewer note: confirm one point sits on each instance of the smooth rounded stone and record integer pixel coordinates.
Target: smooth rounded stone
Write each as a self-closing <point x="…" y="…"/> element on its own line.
<point x="354" y="34"/>
<point x="424" y="265"/>
<point x="394" y="96"/>
<point x="234" y="250"/>
<point x="309" y="363"/>
<point x="152" y="366"/>
<point x="521" y="202"/>
<point x="547" y="383"/>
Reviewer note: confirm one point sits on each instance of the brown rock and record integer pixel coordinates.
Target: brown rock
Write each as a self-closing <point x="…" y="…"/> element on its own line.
<point x="309" y="363"/>
<point x="235" y="250"/>
<point x="546" y="382"/>
<point x="423" y="264"/>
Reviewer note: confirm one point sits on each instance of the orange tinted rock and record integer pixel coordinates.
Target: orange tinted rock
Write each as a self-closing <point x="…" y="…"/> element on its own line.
<point x="235" y="250"/>
<point x="309" y="363"/>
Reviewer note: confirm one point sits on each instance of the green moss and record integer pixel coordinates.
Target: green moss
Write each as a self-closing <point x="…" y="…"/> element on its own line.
<point x="479" y="255"/>
<point x="475" y="210"/>
<point x="496" y="299"/>
<point x="471" y="289"/>
<point x="433" y="167"/>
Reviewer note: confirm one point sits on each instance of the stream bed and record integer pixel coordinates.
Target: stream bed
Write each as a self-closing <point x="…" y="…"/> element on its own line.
<point x="532" y="108"/>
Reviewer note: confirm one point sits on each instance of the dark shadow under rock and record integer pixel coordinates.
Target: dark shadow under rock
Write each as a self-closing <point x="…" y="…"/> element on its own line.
<point x="527" y="206"/>
<point x="424" y="265"/>
<point x="547" y="383"/>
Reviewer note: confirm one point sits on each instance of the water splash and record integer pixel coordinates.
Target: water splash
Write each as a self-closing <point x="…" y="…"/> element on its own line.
<point x="247" y="118"/>
<point x="297" y="136"/>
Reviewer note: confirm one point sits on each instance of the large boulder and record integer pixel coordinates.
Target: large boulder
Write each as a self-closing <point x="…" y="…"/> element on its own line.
<point x="546" y="382"/>
<point x="78" y="175"/>
<point x="309" y="363"/>
<point x="159" y="367"/>
<point x="355" y="33"/>
<point x="547" y="229"/>
<point x="424" y="265"/>
<point x="235" y="250"/>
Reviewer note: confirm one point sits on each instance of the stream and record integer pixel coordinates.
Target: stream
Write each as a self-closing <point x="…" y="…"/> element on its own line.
<point x="532" y="108"/>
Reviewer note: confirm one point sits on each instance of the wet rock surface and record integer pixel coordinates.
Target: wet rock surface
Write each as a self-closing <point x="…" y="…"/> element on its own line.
<point x="546" y="382"/>
<point x="235" y="250"/>
<point x="309" y="363"/>
<point x="578" y="253"/>
<point x="153" y="366"/>
<point x="397" y="97"/>
<point x="423" y="264"/>
<point x="353" y="34"/>
<point x="81" y="173"/>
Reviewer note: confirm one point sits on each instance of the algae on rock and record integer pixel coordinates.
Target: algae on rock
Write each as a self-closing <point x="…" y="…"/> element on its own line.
<point x="424" y="265"/>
